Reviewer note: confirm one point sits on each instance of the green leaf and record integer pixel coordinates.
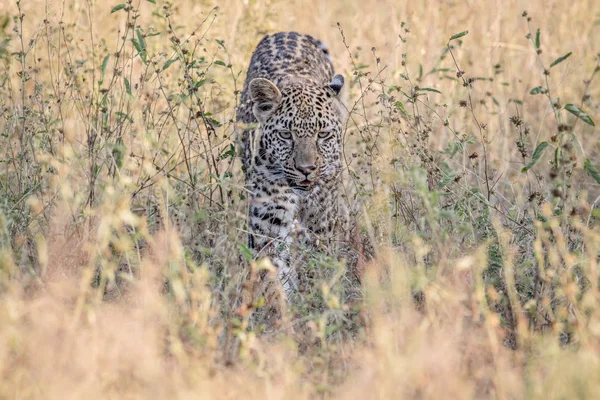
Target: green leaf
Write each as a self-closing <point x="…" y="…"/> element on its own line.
<point x="398" y="104"/>
<point x="141" y="39"/>
<point x="152" y="1"/>
<point x="168" y="63"/>
<point x="579" y="113"/>
<point x="199" y="83"/>
<point x="458" y="35"/>
<point x="118" y="153"/>
<point x="214" y="122"/>
<point x="122" y="116"/>
<point x="140" y="50"/>
<point x="246" y="252"/>
<point x="221" y="43"/>
<point x="537" y="90"/>
<point x="136" y="45"/>
<point x="426" y="89"/>
<point x="591" y="170"/>
<point x="447" y="179"/>
<point x="127" y="86"/>
<point x="537" y="39"/>
<point x="230" y="153"/>
<point x="221" y="63"/>
<point x="539" y="150"/>
<point x="117" y="8"/>
<point x="104" y="65"/>
<point x="420" y="72"/>
<point x="560" y="59"/>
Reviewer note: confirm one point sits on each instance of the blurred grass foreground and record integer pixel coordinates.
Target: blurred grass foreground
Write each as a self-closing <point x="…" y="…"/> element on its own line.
<point x="472" y="170"/>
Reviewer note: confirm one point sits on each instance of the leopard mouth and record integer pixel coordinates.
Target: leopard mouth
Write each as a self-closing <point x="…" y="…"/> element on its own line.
<point x="303" y="185"/>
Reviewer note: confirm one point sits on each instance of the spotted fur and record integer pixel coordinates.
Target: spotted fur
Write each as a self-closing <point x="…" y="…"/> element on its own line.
<point x="292" y="152"/>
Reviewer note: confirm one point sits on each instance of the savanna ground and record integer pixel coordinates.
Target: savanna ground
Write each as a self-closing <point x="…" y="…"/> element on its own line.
<point x="472" y="172"/>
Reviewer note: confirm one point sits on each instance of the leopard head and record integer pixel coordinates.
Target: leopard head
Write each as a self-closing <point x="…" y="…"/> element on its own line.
<point x="300" y="131"/>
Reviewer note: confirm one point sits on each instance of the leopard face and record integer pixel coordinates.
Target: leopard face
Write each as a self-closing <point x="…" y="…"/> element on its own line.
<point x="300" y="141"/>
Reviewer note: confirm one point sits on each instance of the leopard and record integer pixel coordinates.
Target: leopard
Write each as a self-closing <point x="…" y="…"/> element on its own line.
<point x="291" y="149"/>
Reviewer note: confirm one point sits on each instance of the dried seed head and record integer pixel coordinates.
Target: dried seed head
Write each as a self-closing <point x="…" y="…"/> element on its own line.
<point x="516" y="120"/>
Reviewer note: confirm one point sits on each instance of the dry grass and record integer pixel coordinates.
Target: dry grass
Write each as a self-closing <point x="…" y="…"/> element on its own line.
<point x="122" y="212"/>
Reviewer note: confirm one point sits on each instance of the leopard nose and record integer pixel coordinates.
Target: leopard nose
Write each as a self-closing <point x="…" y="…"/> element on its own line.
<point x="306" y="169"/>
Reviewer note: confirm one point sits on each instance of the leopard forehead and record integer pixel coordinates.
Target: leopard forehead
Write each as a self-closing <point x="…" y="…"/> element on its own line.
<point x="305" y="110"/>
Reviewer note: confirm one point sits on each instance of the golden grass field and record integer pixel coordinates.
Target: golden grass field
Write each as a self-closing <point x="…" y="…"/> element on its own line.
<point x="122" y="215"/>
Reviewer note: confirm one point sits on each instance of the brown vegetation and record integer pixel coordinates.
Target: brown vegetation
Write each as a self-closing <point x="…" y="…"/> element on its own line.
<point x="472" y="171"/>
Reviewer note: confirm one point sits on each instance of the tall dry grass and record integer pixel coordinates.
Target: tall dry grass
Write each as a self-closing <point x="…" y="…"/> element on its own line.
<point x="472" y="174"/>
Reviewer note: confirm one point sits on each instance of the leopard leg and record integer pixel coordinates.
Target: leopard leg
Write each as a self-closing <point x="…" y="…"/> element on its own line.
<point x="271" y="226"/>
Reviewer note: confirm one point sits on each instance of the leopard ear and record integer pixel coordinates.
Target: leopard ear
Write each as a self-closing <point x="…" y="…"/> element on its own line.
<point x="336" y="84"/>
<point x="265" y="96"/>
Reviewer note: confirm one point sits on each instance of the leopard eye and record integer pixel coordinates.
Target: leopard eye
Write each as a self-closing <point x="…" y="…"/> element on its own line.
<point x="285" y="135"/>
<point x="324" y="135"/>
